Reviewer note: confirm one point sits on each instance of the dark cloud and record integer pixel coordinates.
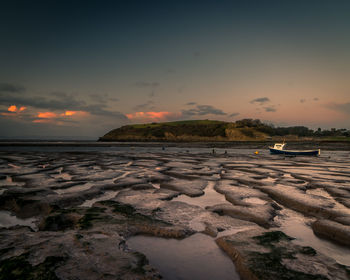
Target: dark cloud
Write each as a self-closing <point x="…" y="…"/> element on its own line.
<point x="302" y="100"/>
<point x="270" y="109"/>
<point x="260" y="100"/>
<point x="233" y="115"/>
<point x="201" y="110"/>
<point x="191" y="103"/>
<point x="99" y="110"/>
<point x="147" y="84"/>
<point x="59" y="94"/>
<point x="102" y="98"/>
<point x="343" y="107"/>
<point x="60" y="101"/>
<point x="7" y="87"/>
<point x="145" y="106"/>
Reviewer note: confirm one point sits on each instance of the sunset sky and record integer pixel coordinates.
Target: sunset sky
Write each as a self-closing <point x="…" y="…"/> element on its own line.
<point x="77" y="69"/>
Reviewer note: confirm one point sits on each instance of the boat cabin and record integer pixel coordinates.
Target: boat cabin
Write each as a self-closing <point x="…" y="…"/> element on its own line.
<point x="279" y="146"/>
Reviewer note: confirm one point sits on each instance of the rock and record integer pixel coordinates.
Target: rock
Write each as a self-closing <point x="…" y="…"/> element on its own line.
<point x="236" y="194"/>
<point x="62" y="255"/>
<point x="60" y="221"/>
<point x="332" y="230"/>
<point x="261" y="214"/>
<point x="271" y="255"/>
<point x="190" y="188"/>
<point x="300" y="201"/>
<point x="25" y="204"/>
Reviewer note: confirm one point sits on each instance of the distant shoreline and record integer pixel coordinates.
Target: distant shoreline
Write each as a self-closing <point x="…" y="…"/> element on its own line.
<point x="323" y="144"/>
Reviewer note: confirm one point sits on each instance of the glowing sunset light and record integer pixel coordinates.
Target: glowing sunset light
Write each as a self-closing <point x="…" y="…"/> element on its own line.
<point x="12" y="108"/>
<point x="41" y="121"/>
<point x="152" y="116"/>
<point x="76" y="113"/>
<point x="70" y="113"/>
<point x="13" y="111"/>
<point x="46" y="115"/>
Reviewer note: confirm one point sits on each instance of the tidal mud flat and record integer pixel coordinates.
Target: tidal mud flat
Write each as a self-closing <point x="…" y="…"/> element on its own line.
<point x="138" y="214"/>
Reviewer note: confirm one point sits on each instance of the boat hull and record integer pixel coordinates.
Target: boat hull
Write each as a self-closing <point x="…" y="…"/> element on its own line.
<point x="295" y="153"/>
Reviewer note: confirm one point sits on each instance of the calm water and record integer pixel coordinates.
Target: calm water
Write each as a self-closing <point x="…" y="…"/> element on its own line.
<point x="156" y="147"/>
<point x="195" y="257"/>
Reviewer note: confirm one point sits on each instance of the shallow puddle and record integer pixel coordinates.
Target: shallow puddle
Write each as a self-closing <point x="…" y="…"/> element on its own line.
<point x="8" y="220"/>
<point x="295" y="225"/>
<point x="195" y="257"/>
<point x="211" y="197"/>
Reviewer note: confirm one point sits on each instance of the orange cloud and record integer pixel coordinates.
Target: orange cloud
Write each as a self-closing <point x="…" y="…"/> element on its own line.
<point x="57" y="118"/>
<point x="152" y="116"/>
<point x="47" y="115"/>
<point x="13" y="111"/>
<point x="76" y="113"/>
<point x="12" y="108"/>
<point x="70" y="113"/>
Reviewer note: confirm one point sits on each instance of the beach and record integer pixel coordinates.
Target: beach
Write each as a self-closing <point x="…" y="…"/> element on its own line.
<point x="173" y="211"/>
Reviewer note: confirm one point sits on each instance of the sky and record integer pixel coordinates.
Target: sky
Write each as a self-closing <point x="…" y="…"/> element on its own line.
<point x="78" y="69"/>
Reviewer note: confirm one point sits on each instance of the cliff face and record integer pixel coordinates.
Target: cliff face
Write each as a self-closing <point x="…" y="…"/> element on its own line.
<point x="202" y="130"/>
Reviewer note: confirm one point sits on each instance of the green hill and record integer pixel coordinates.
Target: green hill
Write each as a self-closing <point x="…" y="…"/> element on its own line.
<point x="194" y="130"/>
<point x="207" y="130"/>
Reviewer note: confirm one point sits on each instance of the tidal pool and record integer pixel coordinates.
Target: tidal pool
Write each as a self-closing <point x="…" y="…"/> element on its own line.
<point x="209" y="198"/>
<point x="195" y="257"/>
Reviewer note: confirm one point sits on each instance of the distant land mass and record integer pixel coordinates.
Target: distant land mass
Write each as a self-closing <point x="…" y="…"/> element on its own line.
<point x="211" y="130"/>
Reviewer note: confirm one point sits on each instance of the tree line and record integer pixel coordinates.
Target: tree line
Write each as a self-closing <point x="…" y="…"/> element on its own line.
<point x="301" y="131"/>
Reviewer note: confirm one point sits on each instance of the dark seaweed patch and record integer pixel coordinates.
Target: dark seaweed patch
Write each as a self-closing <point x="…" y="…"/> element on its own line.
<point x="308" y="251"/>
<point x="18" y="268"/>
<point x="272" y="237"/>
<point x="58" y="222"/>
<point x="91" y="214"/>
<point x="131" y="213"/>
<point x="269" y="265"/>
<point x="141" y="262"/>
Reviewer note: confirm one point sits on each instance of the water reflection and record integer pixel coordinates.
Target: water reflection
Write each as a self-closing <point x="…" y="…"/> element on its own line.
<point x="196" y="257"/>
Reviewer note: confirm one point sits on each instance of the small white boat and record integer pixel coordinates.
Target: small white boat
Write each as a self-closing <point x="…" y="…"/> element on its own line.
<point x="278" y="148"/>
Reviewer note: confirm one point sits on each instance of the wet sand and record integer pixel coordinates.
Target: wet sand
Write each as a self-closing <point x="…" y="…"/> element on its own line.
<point x="94" y="211"/>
